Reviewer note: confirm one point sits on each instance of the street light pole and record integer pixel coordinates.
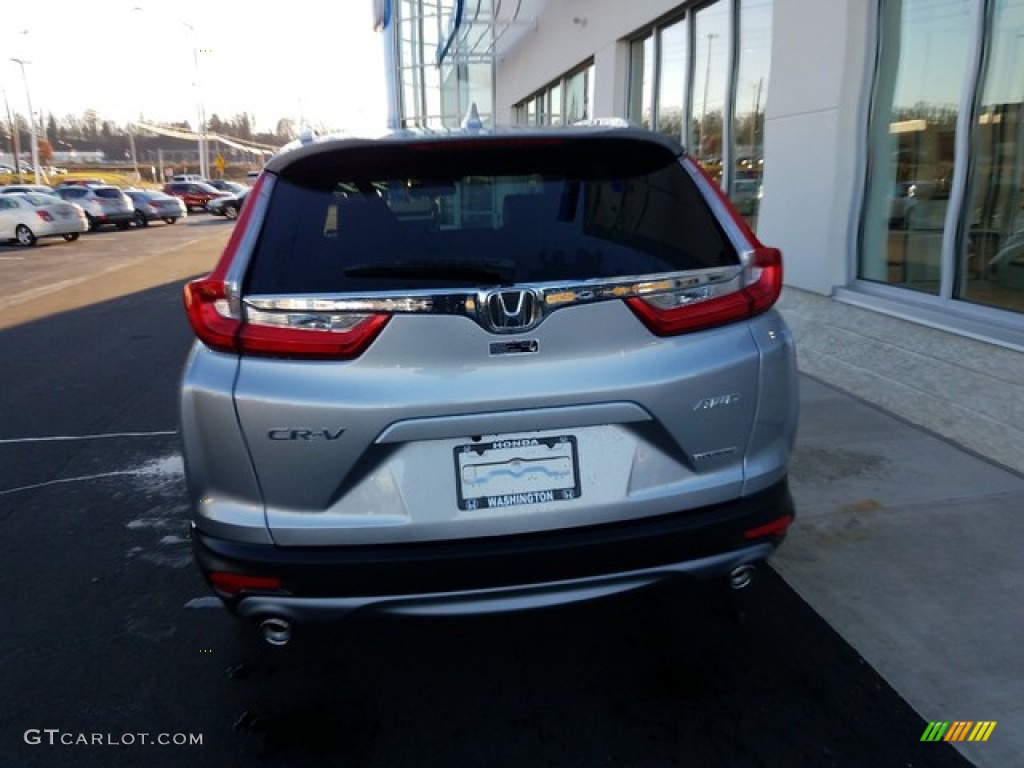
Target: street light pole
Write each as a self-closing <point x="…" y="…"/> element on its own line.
<point x="704" y="106"/>
<point x="15" y="141"/>
<point x="197" y="89"/>
<point x="31" y="119"/>
<point x="200" y="111"/>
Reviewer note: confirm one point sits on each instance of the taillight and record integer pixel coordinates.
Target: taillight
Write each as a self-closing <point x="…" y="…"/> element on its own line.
<point x="44" y="215"/>
<point x="223" y="324"/>
<point x="695" y="309"/>
<point x="755" y="291"/>
<point x="305" y="335"/>
<point x="211" y="315"/>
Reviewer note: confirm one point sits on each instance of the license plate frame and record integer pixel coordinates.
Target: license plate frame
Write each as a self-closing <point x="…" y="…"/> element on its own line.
<point x="517" y="471"/>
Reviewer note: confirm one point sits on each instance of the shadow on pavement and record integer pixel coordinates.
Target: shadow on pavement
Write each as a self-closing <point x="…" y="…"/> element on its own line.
<point x="100" y="640"/>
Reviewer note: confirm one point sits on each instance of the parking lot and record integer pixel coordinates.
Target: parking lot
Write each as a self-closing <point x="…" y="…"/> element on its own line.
<point x="111" y="632"/>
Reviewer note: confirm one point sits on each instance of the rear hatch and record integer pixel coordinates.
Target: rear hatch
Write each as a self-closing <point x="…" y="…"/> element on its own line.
<point x="65" y="211"/>
<point x="112" y="200"/>
<point x="470" y="338"/>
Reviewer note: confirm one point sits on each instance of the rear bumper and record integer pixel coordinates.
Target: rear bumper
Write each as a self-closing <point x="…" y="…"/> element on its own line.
<point x="119" y="217"/>
<point x="501" y="573"/>
<point x="160" y="215"/>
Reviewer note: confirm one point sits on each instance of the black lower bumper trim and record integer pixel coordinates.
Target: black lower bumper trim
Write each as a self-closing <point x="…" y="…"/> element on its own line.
<point x="471" y="564"/>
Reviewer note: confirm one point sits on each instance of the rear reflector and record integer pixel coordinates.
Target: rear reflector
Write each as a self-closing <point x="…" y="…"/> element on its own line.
<point x="774" y="528"/>
<point x="230" y="584"/>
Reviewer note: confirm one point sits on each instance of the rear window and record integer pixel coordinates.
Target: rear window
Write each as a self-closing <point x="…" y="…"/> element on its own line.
<point x="110" y="193"/>
<point x="460" y="214"/>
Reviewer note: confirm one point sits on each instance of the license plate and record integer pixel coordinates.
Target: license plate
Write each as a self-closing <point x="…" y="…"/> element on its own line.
<point x="517" y="472"/>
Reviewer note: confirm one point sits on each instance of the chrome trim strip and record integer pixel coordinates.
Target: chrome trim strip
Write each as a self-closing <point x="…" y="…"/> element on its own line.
<point x="500" y="422"/>
<point x="471" y="302"/>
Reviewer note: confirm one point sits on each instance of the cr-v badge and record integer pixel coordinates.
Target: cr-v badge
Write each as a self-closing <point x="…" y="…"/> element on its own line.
<point x="304" y="434"/>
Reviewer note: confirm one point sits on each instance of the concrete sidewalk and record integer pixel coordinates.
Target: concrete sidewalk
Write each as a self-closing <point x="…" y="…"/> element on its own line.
<point x="913" y="550"/>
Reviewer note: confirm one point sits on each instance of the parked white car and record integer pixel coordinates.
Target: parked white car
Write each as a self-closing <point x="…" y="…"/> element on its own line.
<point x="26" y="217"/>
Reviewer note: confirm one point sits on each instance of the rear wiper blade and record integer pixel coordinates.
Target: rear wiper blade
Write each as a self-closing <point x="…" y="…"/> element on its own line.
<point x="502" y="273"/>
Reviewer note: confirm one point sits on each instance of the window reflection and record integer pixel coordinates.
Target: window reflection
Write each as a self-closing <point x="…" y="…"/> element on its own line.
<point x="711" y="73"/>
<point x="672" y="78"/>
<point x="555" y="105"/>
<point x="990" y="267"/>
<point x="748" y="121"/>
<point x="641" y="81"/>
<point x="569" y="99"/>
<point x="914" y="135"/>
<point x="577" y="105"/>
<point x="686" y="97"/>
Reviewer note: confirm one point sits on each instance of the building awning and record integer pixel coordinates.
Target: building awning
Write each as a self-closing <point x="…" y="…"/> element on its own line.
<point x="476" y="27"/>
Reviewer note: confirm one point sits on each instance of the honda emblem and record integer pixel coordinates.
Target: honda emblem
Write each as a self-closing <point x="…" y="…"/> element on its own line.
<point x="512" y="311"/>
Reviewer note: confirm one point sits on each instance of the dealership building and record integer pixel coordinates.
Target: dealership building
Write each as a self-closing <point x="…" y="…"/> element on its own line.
<point x="878" y="143"/>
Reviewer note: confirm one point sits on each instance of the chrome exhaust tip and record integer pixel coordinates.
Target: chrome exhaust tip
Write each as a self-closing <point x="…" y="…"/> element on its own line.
<point x="276" y="632"/>
<point x="741" y="576"/>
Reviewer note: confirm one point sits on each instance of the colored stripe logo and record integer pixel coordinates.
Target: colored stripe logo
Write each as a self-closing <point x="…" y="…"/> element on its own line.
<point x="959" y="730"/>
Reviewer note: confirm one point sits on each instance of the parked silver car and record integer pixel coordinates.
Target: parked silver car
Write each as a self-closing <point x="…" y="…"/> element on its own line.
<point x="484" y="372"/>
<point x="102" y="204"/>
<point x="152" y="205"/>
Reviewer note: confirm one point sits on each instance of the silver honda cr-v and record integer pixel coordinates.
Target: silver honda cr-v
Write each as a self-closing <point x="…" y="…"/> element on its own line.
<point x="479" y="372"/>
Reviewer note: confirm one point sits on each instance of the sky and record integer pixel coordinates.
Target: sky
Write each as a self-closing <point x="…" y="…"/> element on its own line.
<point x="315" y="60"/>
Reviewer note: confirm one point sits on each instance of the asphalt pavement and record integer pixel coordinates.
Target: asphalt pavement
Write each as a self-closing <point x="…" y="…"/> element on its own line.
<point x="911" y="549"/>
<point x="895" y="601"/>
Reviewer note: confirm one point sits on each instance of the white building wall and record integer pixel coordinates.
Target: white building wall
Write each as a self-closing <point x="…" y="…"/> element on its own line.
<point x="813" y="118"/>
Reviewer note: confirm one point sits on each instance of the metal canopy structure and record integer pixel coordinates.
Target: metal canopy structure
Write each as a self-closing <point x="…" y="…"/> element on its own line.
<point x="440" y="55"/>
<point x="477" y="26"/>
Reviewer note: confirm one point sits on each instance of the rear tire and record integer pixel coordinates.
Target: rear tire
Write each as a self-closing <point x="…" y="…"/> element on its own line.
<point x="230" y="212"/>
<point x="141" y="220"/>
<point x="93" y="226"/>
<point x="124" y="224"/>
<point x="170" y="220"/>
<point x="24" y="236"/>
<point x="71" y="236"/>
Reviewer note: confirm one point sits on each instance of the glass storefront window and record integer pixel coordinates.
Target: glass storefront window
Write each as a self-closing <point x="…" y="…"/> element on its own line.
<point x="576" y="93"/>
<point x="641" y="82"/>
<point x="681" y="83"/>
<point x="438" y="95"/>
<point x="567" y="100"/>
<point x="555" y="108"/>
<point x="918" y="91"/>
<point x="711" y="76"/>
<point x="990" y="267"/>
<point x="672" y="78"/>
<point x="754" y="65"/>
